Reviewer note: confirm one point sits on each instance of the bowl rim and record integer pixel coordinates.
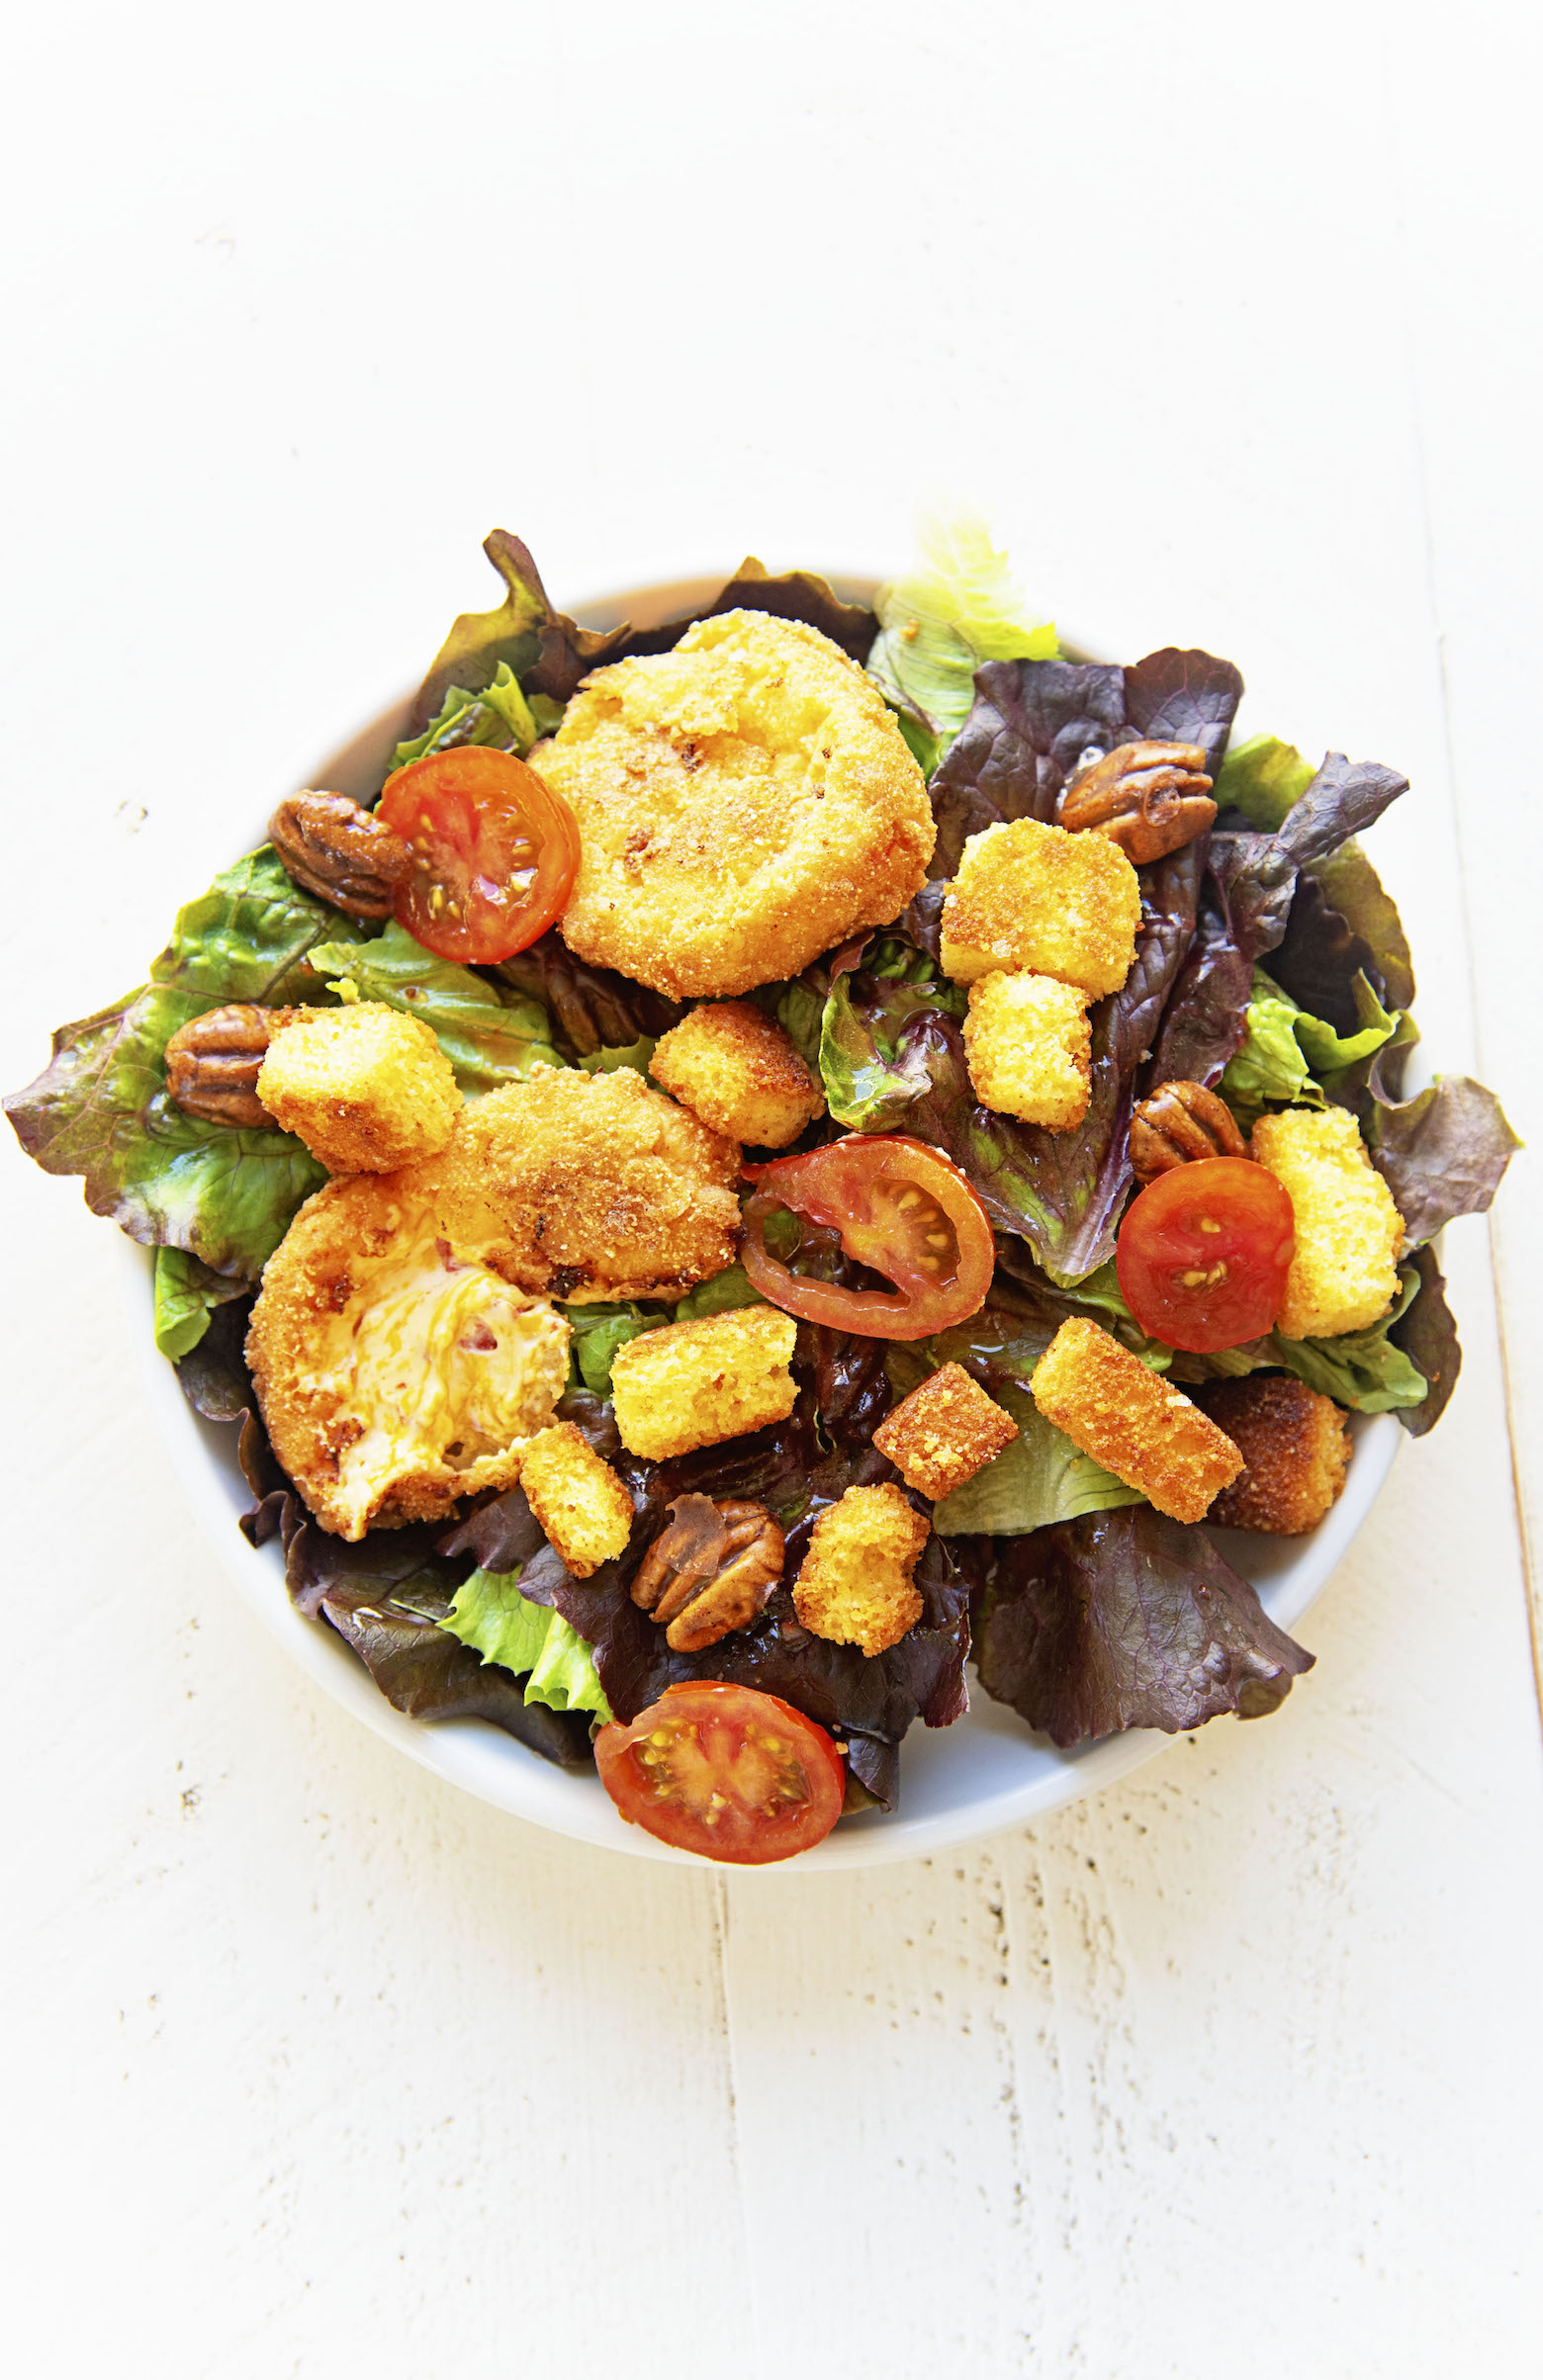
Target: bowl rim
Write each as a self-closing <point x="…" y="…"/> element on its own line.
<point x="498" y="1770"/>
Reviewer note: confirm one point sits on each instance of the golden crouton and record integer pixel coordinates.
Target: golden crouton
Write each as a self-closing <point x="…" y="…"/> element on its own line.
<point x="1035" y="897"/>
<point x="696" y="1384"/>
<point x="944" y="1433"/>
<point x="576" y="1498"/>
<point x="1344" y="1268"/>
<point x="592" y="1187"/>
<point x="1030" y="1049"/>
<point x="1149" y="1434"/>
<point x="855" y="1584"/>
<point x="739" y="1074"/>
<point x="744" y="803"/>
<point x="1295" y="1445"/>
<point x="395" y="1375"/>
<point x="365" y="1087"/>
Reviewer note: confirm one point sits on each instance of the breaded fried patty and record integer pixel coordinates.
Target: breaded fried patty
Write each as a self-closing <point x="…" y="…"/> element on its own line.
<point x="590" y="1187"/>
<point x="744" y="803"/>
<point x="395" y="1375"/>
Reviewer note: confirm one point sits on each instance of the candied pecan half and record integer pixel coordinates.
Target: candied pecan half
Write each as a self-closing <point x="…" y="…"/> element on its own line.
<point x="213" y="1062"/>
<point x="342" y="853"/>
<point x="1181" y="1121"/>
<point x="710" y="1571"/>
<point x="1149" y="798"/>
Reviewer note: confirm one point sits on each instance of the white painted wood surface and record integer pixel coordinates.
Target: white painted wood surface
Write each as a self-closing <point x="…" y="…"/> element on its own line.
<point x="313" y="2064"/>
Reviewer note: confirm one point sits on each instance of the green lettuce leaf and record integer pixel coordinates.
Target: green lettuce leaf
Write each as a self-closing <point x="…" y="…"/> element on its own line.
<point x="1039" y="1479"/>
<point x="1328" y="1052"/>
<point x="250" y="936"/>
<point x="490" y="1035"/>
<point x="1042" y="1477"/>
<point x="597" y="1332"/>
<point x="1262" y="777"/>
<point x="503" y="719"/>
<point x="939" y="623"/>
<point x="1286" y="1052"/>
<point x="1270" y="1064"/>
<point x="724" y="1293"/>
<point x="800" y="1012"/>
<point x="186" y="1295"/>
<point x="635" y="1054"/>
<point x="493" y="1617"/>
<point x="100" y="1108"/>
<point x="1367" y="1370"/>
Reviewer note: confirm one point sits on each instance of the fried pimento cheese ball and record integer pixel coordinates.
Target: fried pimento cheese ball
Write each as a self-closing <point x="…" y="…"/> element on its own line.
<point x="394" y="1376"/>
<point x="592" y="1187"/>
<point x="1037" y="899"/>
<point x="697" y="1383"/>
<point x="744" y="801"/>
<point x="1030" y="1049"/>
<point x="1344" y="1270"/>
<point x="739" y="1074"/>
<point x="1296" y="1450"/>
<point x="576" y="1498"/>
<point x="1138" y="1426"/>
<point x="944" y="1433"/>
<point x="854" y="1586"/>
<point x="364" y="1087"/>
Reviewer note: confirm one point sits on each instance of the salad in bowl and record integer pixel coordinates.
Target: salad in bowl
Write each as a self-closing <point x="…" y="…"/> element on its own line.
<point x="779" y="1158"/>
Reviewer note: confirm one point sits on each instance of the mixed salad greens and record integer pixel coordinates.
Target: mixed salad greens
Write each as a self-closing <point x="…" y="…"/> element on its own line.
<point x="1270" y="964"/>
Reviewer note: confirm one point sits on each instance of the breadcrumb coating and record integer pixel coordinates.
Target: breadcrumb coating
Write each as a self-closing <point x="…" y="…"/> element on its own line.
<point x="1030" y="1049"/>
<point x="945" y="1431"/>
<point x="1035" y="898"/>
<point x="697" y="1383"/>
<point x="744" y="801"/>
<point x="592" y="1187"/>
<point x="576" y="1498"/>
<point x="854" y="1586"/>
<point x="364" y="1087"/>
<point x="1138" y="1426"/>
<point x="1296" y="1447"/>
<point x="394" y="1376"/>
<point x="739" y="1073"/>
<point x="1344" y="1268"/>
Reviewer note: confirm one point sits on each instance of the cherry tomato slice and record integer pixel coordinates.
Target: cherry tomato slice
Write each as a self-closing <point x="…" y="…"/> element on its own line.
<point x="494" y="852"/>
<point x="902" y="1209"/>
<point x="1204" y="1252"/>
<point x="724" y="1771"/>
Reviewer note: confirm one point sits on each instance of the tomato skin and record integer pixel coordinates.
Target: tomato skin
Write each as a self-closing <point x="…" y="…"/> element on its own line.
<point x="865" y="1188"/>
<point x="1221" y="1213"/>
<point x="741" y="1776"/>
<point x="495" y="851"/>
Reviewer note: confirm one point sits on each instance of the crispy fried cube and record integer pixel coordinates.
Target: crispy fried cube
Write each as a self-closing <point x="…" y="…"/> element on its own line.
<point x="1344" y="1270"/>
<point x="1295" y="1445"/>
<point x="855" y="1584"/>
<point x="1147" y="1433"/>
<point x="365" y="1087"/>
<point x="944" y="1433"/>
<point x="738" y="1071"/>
<point x="577" y="1497"/>
<point x="696" y="1384"/>
<point x="1035" y="897"/>
<point x="1030" y="1049"/>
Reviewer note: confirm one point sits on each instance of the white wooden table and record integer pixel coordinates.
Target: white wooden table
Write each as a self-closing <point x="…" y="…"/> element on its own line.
<point x="316" y="2067"/>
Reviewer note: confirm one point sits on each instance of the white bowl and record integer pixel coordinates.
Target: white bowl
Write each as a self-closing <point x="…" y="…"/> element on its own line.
<point x="986" y="1771"/>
